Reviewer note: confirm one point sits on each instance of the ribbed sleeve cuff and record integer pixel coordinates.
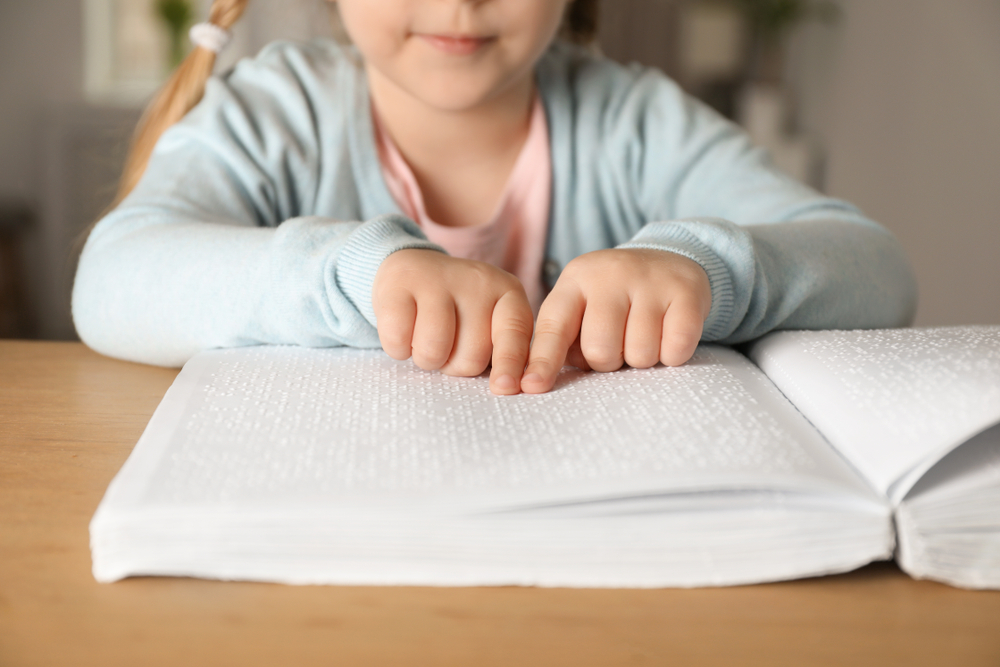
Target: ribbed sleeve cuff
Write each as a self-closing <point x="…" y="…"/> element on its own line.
<point x="698" y="240"/>
<point x="366" y="249"/>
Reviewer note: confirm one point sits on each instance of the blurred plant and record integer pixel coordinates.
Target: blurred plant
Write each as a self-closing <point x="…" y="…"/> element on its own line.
<point x="177" y="15"/>
<point x="771" y="20"/>
<point x="769" y="23"/>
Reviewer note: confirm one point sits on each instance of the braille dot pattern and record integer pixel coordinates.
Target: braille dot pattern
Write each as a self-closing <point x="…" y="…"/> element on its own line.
<point x="306" y="424"/>
<point x="891" y="400"/>
<point x="897" y="375"/>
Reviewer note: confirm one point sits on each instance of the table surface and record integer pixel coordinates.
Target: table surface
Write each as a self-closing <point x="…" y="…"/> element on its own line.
<point x="68" y="420"/>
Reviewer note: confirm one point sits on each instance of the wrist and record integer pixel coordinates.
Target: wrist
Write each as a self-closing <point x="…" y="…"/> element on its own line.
<point x="717" y="246"/>
<point x="363" y="255"/>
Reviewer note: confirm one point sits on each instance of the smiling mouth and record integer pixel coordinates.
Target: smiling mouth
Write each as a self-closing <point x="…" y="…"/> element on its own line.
<point x="462" y="45"/>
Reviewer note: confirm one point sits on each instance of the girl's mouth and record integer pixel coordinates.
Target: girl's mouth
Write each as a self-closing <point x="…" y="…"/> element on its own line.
<point x="461" y="45"/>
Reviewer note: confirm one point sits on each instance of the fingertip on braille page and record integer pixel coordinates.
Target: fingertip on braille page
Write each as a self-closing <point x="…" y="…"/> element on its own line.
<point x="533" y="383"/>
<point x="505" y="385"/>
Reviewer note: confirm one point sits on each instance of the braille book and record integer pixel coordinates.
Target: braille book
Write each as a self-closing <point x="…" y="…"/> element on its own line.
<point x="813" y="453"/>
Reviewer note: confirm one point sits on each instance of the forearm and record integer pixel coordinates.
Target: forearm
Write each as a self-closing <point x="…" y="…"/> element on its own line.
<point x="160" y="291"/>
<point x="826" y="274"/>
<point x="805" y="274"/>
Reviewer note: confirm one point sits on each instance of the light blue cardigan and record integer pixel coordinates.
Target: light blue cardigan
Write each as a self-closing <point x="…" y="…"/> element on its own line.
<point x="263" y="215"/>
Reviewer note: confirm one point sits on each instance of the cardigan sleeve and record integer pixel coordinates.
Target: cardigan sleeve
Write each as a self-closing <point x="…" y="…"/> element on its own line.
<point x="778" y="254"/>
<point x="219" y="246"/>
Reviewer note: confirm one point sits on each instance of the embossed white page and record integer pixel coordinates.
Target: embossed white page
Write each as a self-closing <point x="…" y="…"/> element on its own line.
<point x="355" y="430"/>
<point x="892" y="401"/>
<point x="343" y="466"/>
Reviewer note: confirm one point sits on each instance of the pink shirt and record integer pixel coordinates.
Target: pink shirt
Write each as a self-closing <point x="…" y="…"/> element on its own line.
<point x="514" y="238"/>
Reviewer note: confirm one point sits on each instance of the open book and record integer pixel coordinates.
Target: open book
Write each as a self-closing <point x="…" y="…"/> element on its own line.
<point x="816" y="453"/>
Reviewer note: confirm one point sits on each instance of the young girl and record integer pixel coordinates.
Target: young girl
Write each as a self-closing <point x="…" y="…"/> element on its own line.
<point x="427" y="187"/>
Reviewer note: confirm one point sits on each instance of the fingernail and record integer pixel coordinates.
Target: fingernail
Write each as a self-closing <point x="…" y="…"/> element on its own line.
<point x="506" y="383"/>
<point x="532" y="378"/>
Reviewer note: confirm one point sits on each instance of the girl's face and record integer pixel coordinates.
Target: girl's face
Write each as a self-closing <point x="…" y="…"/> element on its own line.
<point x="452" y="54"/>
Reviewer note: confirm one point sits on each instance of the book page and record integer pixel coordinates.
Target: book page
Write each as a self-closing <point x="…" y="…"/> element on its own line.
<point x="949" y="522"/>
<point x="971" y="468"/>
<point x="355" y="430"/>
<point x="892" y="401"/>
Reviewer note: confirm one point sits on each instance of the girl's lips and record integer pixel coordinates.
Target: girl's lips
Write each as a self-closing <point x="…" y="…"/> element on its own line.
<point x="462" y="45"/>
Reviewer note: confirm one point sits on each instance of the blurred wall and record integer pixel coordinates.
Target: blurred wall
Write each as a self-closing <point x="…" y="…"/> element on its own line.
<point x="41" y="49"/>
<point x="41" y="71"/>
<point x="905" y="97"/>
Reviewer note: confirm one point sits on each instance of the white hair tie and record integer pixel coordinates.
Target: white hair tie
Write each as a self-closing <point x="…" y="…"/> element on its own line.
<point x="210" y="36"/>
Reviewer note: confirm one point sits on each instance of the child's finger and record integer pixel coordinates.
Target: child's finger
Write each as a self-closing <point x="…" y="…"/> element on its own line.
<point x="574" y="357"/>
<point x="511" y="335"/>
<point x="602" y="333"/>
<point x="473" y="346"/>
<point x="434" y="332"/>
<point x="643" y="334"/>
<point x="682" y="329"/>
<point x="395" y="318"/>
<point x="557" y="327"/>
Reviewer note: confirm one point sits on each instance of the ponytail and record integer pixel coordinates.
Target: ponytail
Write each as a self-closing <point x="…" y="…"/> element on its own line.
<point x="183" y="90"/>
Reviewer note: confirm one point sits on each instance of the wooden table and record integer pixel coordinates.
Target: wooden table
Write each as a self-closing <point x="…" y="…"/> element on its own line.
<point x="68" y="419"/>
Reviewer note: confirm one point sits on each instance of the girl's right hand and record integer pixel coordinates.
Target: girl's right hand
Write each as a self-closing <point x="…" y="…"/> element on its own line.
<point x="453" y="315"/>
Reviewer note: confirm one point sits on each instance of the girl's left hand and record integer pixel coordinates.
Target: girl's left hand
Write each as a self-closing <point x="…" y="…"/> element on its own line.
<point x="615" y="307"/>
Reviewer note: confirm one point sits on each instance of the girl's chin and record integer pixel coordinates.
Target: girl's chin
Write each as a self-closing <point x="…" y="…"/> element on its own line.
<point x="459" y="98"/>
<point x="453" y="89"/>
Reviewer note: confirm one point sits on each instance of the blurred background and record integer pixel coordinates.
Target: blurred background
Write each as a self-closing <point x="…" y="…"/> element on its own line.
<point x="891" y="104"/>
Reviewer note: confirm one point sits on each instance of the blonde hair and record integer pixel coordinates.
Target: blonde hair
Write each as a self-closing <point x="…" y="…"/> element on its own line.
<point x="182" y="91"/>
<point x="186" y="85"/>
